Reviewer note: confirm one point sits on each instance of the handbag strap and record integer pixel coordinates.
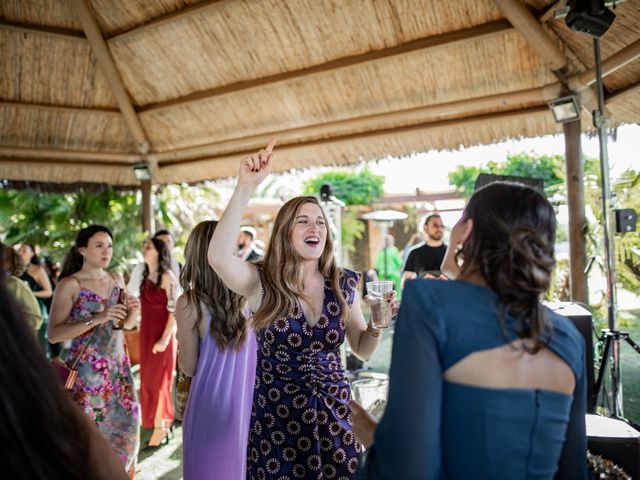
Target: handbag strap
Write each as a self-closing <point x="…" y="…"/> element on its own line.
<point x="75" y="362"/>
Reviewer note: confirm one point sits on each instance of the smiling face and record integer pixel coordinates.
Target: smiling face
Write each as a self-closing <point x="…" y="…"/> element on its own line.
<point x="98" y="251"/>
<point x="309" y="232"/>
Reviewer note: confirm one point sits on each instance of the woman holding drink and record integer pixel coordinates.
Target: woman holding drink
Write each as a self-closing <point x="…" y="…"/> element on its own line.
<point x="158" y="348"/>
<point x="304" y="306"/>
<point x="85" y="311"/>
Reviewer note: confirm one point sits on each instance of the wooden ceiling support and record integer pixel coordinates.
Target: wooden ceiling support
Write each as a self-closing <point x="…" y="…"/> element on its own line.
<point x="381" y="132"/>
<point x="69" y="155"/>
<point x="370" y="122"/>
<point x="618" y="60"/>
<point x="56" y="32"/>
<point x="478" y="32"/>
<point x="101" y="51"/>
<point x="524" y="21"/>
<point x="59" y="108"/>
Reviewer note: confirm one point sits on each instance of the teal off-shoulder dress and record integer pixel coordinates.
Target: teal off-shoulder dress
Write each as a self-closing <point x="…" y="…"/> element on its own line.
<point x="436" y="429"/>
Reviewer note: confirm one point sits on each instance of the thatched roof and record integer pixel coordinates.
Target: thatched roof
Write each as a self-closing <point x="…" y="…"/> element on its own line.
<point x="90" y="87"/>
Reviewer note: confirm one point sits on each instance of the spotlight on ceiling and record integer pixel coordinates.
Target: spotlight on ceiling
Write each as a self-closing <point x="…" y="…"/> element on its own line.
<point x="142" y="172"/>
<point x="565" y="109"/>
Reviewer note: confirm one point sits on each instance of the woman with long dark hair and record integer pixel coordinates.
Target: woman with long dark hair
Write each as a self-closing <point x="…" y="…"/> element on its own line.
<point x="305" y="306"/>
<point x="85" y="310"/>
<point x="218" y="349"/>
<point x="157" y="341"/>
<point x="485" y="382"/>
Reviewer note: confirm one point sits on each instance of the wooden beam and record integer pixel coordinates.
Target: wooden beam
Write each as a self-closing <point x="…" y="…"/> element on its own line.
<point x="614" y="62"/>
<point x="577" y="219"/>
<point x="370" y="122"/>
<point x="382" y="132"/>
<point x="59" y="108"/>
<point x="479" y="32"/>
<point x="55" y="32"/>
<point x="166" y="19"/>
<point x="69" y="155"/>
<point x="524" y="21"/>
<point x="148" y="219"/>
<point x="623" y="93"/>
<point x="111" y="73"/>
<point x="48" y="162"/>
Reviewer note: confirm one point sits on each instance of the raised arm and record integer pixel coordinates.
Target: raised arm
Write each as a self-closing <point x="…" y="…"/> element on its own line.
<point x="239" y="276"/>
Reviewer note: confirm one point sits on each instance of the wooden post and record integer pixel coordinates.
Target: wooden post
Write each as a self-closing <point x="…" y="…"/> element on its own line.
<point x="577" y="222"/>
<point x="148" y="223"/>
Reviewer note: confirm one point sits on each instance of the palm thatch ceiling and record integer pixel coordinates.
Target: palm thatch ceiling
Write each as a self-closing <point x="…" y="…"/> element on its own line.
<point x="88" y="88"/>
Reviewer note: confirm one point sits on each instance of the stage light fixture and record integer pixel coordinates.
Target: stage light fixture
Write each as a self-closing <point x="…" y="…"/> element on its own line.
<point x="565" y="109"/>
<point x="142" y="172"/>
<point x="590" y="17"/>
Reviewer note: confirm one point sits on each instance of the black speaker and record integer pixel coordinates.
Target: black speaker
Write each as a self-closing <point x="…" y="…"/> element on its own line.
<point x="615" y="440"/>
<point x="583" y="320"/>
<point x="626" y="220"/>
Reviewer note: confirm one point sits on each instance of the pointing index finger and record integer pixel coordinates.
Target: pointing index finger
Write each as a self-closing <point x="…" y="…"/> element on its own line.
<point x="272" y="144"/>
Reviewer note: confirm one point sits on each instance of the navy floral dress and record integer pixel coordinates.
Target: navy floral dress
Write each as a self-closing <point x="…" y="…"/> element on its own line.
<point x="300" y="420"/>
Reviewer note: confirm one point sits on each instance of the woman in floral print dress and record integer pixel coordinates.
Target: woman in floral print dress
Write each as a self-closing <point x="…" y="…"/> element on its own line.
<point x="84" y="309"/>
<point x="304" y="307"/>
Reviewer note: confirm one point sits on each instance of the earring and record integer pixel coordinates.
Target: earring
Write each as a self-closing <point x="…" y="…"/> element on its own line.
<point x="459" y="246"/>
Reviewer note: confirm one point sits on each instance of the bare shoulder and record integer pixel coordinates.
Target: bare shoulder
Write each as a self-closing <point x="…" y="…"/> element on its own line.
<point x="186" y="312"/>
<point x="68" y="286"/>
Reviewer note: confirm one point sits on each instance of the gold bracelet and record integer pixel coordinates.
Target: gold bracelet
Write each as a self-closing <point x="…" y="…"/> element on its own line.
<point x="374" y="332"/>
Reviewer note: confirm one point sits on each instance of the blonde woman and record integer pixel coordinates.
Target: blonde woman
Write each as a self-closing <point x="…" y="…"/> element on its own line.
<point x="304" y="306"/>
<point x="217" y="349"/>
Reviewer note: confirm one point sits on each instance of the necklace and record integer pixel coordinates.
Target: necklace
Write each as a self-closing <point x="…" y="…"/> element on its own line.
<point x="101" y="279"/>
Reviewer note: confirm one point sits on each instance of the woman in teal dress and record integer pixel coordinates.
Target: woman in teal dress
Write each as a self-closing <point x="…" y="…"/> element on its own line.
<point x="85" y="310"/>
<point x="485" y="382"/>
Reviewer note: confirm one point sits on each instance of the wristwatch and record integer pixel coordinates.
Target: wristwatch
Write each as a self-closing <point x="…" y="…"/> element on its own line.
<point x="89" y="322"/>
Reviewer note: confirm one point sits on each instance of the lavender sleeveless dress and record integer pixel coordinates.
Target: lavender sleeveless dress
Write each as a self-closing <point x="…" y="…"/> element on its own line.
<point x="301" y="421"/>
<point x="216" y="419"/>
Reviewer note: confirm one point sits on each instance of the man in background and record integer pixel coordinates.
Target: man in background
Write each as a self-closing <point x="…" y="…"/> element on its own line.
<point x="427" y="258"/>
<point x="247" y="250"/>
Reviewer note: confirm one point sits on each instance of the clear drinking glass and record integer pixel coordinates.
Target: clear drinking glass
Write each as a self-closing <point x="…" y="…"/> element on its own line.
<point x="371" y="393"/>
<point x="380" y="294"/>
<point x="171" y="299"/>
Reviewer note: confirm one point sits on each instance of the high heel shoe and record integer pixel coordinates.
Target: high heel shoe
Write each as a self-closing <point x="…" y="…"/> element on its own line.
<point x="171" y="434"/>
<point x="164" y="441"/>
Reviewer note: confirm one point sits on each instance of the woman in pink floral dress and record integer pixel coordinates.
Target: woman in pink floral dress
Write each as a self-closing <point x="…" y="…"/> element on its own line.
<point x="85" y="310"/>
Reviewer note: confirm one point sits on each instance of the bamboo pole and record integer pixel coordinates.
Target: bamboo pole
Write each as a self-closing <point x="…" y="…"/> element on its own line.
<point x="49" y="153"/>
<point x="108" y="67"/>
<point x="577" y="220"/>
<point x="524" y="21"/>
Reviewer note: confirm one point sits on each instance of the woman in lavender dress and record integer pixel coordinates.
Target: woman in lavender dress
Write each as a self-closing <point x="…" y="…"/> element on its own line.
<point x="84" y="310"/>
<point x="304" y="307"/>
<point x="217" y="349"/>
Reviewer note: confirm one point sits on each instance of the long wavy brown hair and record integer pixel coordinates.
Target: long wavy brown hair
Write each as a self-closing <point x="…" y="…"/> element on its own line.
<point x="512" y="247"/>
<point x="282" y="268"/>
<point x="202" y="286"/>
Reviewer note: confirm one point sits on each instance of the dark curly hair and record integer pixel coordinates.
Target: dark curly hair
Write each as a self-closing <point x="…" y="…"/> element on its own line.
<point x="512" y="247"/>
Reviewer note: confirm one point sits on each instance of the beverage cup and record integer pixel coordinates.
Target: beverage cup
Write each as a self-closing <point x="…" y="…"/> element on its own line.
<point x="380" y="295"/>
<point x="122" y="300"/>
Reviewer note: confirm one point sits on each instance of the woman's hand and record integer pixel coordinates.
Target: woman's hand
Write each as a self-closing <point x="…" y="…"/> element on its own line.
<point x="132" y="302"/>
<point x="160" y="346"/>
<point x="255" y="168"/>
<point x="116" y="312"/>
<point x="364" y="424"/>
